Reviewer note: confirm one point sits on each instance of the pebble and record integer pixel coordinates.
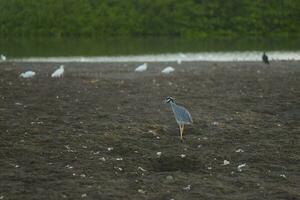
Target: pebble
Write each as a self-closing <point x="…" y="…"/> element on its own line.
<point x="158" y="154"/>
<point x="239" y="168"/>
<point x="110" y="148"/>
<point x="226" y="162"/>
<point x="141" y="191"/>
<point x="239" y="150"/>
<point x="83" y="195"/>
<point x="142" y="169"/>
<point x="102" y="159"/>
<point x="182" y="155"/>
<point x="283" y="175"/>
<point x="187" y="188"/>
<point x="170" y="178"/>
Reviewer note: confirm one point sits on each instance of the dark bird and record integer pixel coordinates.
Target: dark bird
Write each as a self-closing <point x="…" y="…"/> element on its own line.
<point x="265" y="58"/>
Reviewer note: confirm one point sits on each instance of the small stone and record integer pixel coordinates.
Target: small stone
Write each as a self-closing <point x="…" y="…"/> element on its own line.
<point x="110" y="148"/>
<point x="209" y="168"/>
<point x="199" y="146"/>
<point x="226" y="162"/>
<point x="142" y="169"/>
<point x="82" y="175"/>
<point x="141" y="191"/>
<point x="158" y="154"/>
<point x="239" y="150"/>
<point x="170" y="178"/>
<point x="239" y="168"/>
<point x="187" y="188"/>
<point x="83" y="195"/>
<point x="119" y="159"/>
<point x="215" y="123"/>
<point x="283" y="175"/>
<point x="102" y="159"/>
<point x="2" y="197"/>
<point x="118" y="168"/>
<point x="17" y="166"/>
<point x="182" y="155"/>
<point x="69" y="167"/>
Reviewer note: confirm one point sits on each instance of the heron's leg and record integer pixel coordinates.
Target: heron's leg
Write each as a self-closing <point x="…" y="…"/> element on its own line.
<point x="181" y="131"/>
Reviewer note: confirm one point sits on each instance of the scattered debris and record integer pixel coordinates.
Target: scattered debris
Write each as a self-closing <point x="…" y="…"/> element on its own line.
<point x="118" y="168"/>
<point x="209" y="168"/>
<point x="119" y="159"/>
<point x="239" y="150"/>
<point x="239" y="168"/>
<point x="170" y="178"/>
<point x="182" y="155"/>
<point x="226" y="162"/>
<point x="69" y="167"/>
<point x="142" y="169"/>
<point x="110" y="148"/>
<point x="187" y="188"/>
<point x="282" y="175"/>
<point x="102" y="159"/>
<point x="141" y="191"/>
<point x="215" y="123"/>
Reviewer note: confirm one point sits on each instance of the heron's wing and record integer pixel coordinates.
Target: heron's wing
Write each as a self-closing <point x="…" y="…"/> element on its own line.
<point x="182" y="114"/>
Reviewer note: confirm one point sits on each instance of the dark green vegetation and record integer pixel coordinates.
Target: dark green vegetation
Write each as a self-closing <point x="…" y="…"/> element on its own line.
<point x="187" y="18"/>
<point x="55" y="134"/>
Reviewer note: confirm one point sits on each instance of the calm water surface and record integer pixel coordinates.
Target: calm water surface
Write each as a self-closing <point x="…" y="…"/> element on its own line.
<point x="91" y="49"/>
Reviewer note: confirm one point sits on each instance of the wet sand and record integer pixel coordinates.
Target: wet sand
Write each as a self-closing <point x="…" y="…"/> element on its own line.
<point x="95" y="133"/>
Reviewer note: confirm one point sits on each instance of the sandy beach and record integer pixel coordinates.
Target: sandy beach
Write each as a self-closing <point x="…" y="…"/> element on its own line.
<point x="97" y="132"/>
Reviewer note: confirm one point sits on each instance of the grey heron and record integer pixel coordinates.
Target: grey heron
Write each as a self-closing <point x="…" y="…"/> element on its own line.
<point x="181" y="114"/>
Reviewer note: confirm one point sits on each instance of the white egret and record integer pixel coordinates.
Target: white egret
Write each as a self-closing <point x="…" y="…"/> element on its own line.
<point x="3" y="57"/>
<point x="59" y="72"/>
<point x="141" y="68"/>
<point x="168" y="70"/>
<point x="28" y="74"/>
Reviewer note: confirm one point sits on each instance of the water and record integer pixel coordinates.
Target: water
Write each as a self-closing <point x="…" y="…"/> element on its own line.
<point x="148" y="49"/>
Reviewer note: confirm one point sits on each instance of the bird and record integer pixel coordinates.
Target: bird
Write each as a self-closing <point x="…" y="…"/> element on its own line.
<point x="141" y="68"/>
<point x="59" y="72"/>
<point x="265" y="58"/>
<point x="168" y="70"/>
<point x="28" y="74"/>
<point x="3" y="57"/>
<point x="181" y="114"/>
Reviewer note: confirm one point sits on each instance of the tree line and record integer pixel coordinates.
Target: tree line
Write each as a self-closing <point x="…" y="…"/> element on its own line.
<point x="184" y="18"/>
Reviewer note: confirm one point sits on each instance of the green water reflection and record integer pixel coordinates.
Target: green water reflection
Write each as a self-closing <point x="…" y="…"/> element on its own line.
<point x="49" y="47"/>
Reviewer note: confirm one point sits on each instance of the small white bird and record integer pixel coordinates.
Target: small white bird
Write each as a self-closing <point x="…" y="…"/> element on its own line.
<point x="168" y="70"/>
<point x="28" y="74"/>
<point x="3" y="57"/>
<point x="141" y="68"/>
<point x="59" y="72"/>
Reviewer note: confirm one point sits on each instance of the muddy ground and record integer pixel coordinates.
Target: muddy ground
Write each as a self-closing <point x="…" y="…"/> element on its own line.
<point x="96" y="133"/>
